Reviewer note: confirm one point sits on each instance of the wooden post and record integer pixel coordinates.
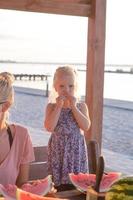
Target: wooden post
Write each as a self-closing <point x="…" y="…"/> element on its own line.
<point x="95" y="68"/>
<point x="93" y="155"/>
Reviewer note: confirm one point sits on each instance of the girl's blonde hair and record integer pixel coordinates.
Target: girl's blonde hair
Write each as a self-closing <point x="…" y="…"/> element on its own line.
<point x="6" y="87"/>
<point x="67" y="71"/>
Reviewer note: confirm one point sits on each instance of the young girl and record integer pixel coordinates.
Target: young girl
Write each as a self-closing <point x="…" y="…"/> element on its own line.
<point x="65" y="118"/>
<point x="16" y="150"/>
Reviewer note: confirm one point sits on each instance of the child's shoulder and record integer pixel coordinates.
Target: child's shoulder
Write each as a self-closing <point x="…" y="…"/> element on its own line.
<point x="51" y="106"/>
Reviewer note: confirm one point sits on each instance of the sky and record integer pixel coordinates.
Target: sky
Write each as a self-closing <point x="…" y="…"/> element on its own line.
<point x="39" y="37"/>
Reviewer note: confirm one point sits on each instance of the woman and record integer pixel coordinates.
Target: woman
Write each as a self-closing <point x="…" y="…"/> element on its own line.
<point x="16" y="151"/>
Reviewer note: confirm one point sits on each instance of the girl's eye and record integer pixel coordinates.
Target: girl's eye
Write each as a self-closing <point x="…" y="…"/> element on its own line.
<point x="61" y="86"/>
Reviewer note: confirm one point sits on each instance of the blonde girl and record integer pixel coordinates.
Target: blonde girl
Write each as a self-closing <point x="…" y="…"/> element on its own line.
<point x="65" y="119"/>
<point x="16" y="150"/>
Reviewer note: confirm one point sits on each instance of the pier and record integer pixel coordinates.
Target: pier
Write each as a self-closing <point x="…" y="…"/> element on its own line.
<point x="35" y="77"/>
<point x="32" y="76"/>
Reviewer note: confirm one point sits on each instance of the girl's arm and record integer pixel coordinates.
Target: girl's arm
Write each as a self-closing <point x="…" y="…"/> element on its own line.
<point x="52" y="116"/>
<point x="23" y="175"/>
<point x="53" y="112"/>
<point x="81" y="116"/>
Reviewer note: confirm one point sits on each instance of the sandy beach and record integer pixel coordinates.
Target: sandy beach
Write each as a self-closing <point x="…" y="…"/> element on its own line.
<point x="29" y="110"/>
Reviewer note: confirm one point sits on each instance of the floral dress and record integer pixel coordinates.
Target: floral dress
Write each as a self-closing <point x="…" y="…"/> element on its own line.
<point x="67" y="150"/>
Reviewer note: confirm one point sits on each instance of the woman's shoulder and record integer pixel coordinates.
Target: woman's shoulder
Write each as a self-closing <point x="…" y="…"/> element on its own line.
<point x="20" y="127"/>
<point x="19" y="130"/>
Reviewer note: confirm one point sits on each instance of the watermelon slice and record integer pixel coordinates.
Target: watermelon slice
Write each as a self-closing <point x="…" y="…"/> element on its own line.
<point x="39" y="187"/>
<point x="8" y="191"/>
<point x="82" y="181"/>
<point x="23" y="195"/>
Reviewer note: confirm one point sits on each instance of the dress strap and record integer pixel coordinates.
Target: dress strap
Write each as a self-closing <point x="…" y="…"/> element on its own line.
<point x="10" y="136"/>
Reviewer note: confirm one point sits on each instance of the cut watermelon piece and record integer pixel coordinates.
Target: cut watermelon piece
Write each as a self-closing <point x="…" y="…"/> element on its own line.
<point x="23" y="195"/>
<point x="82" y="181"/>
<point x="8" y="191"/>
<point x="39" y="187"/>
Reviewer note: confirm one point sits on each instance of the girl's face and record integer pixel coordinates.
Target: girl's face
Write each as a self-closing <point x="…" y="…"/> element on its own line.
<point x="65" y="85"/>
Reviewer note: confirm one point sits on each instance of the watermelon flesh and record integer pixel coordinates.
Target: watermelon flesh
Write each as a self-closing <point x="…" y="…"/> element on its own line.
<point x="82" y="181"/>
<point x="39" y="187"/>
<point x="8" y="191"/>
<point x="23" y="195"/>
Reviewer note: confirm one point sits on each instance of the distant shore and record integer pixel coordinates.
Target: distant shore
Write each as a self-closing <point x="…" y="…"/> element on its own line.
<point x="120" y="71"/>
<point x="117" y="68"/>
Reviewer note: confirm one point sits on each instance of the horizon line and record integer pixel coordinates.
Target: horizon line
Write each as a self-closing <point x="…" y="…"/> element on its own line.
<point x="58" y="63"/>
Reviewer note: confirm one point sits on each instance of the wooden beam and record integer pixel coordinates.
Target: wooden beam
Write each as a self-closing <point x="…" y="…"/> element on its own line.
<point x="65" y="7"/>
<point x="95" y="68"/>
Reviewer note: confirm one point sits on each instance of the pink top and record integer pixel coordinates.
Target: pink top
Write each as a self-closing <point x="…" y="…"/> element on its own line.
<point x="21" y="152"/>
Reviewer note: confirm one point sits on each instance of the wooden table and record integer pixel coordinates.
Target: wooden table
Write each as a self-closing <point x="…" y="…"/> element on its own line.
<point x="70" y="195"/>
<point x="76" y="195"/>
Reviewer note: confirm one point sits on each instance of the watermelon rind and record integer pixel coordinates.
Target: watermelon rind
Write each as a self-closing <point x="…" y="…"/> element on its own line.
<point x="121" y="189"/>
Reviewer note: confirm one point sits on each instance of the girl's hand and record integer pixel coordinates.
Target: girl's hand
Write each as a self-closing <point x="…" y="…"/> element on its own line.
<point x="72" y="100"/>
<point x="60" y="101"/>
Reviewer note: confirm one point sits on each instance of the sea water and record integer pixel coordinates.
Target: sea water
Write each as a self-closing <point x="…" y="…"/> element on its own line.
<point x="116" y="85"/>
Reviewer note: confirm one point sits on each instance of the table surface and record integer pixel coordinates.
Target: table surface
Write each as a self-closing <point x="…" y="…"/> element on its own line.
<point x="70" y="195"/>
<point x="75" y="195"/>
